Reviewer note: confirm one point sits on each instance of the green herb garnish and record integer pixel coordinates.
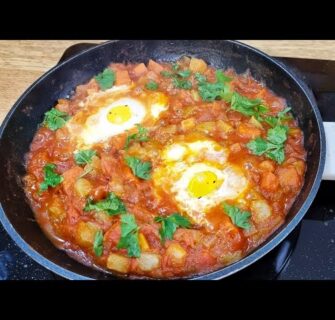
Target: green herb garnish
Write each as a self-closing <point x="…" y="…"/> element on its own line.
<point x="214" y="91"/>
<point x="112" y="205"/>
<point x="238" y="217"/>
<point x="55" y="119"/>
<point x="273" y="146"/>
<point x="182" y="84"/>
<point x="51" y="178"/>
<point x="248" y="107"/>
<point x="98" y="247"/>
<point x="141" y="135"/>
<point x="140" y="169"/>
<point x="129" y="236"/>
<point x="152" y="85"/>
<point x="83" y="157"/>
<point x="105" y="79"/>
<point x="170" y="224"/>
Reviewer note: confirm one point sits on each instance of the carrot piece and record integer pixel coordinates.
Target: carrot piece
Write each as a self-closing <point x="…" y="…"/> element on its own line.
<point x="154" y="66"/>
<point x="122" y="77"/>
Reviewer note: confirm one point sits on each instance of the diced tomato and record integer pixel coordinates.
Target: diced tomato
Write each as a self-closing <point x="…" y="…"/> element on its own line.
<point x="122" y="77"/>
<point x="155" y="67"/>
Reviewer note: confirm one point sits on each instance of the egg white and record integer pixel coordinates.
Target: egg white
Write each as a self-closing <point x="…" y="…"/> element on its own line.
<point x="98" y="128"/>
<point x="233" y="184"/>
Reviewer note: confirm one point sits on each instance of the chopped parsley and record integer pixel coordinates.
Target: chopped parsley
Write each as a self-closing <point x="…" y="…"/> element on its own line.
<point x="112" y="205"/>
<point x="105" y="79"/>
<point x="170" y="224"/>
<point x="238" y="217"/>
<point x="129" y="236"/>
<point x="55" y="119"/>
<point x="83" y="157"/>
<point x="273" y="146"/>
<point x="141" y="135"/>
<point x="98" y="247"/>
<point x="51" y="178"/>
<point x="140" y="169"/>
<point x="151" y="85"/>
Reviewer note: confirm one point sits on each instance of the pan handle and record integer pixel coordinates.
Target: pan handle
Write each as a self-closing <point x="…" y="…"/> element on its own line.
<point x="329" y="171"/>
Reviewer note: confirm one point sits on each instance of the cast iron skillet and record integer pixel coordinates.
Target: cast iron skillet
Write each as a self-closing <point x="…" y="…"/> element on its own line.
<point x="23" y="119"/>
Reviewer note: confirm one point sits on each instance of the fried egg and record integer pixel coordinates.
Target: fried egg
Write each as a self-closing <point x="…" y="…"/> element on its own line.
<point x="113" y="119"/>
<point x="198" y="177"/>
<point x="114" y="112"/>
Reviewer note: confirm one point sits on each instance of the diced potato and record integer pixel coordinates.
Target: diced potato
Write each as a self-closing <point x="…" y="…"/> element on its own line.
<point x="118" y="263"/>
<point x="267" y="165"/>
<point x="143" y="242"/>
<point x="236" y="147"/>
<point x="85" y="233"/>
<point x="206" y="127"/>
<point x="188" y="124"/>
<point x="56" y="210"/>
<point x="260" y="210"/>
<point x="230" y="257"/>
<point x="299" y="165"/>
<point x="188" y="111"/>
<point x="253" y="121"/>
<point x="184" y="61"/>
<point x="195" y="95"/>
<point x="176" y="253"/>
<point x="148" y="261"/>
<point x="224" y="126"/>
<point x="198" y="65"/>
<point x="82" y="187"/>
<point x="96" y="163"/>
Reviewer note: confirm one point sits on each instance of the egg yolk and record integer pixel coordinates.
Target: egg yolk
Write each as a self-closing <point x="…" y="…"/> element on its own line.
<point x="203" y="183"/>
<point x="119" y="114"/>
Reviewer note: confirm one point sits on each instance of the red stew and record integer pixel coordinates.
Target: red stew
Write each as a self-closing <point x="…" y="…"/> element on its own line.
<point x="165" y="170"/>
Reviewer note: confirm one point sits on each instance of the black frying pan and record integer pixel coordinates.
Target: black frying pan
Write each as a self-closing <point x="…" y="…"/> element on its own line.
<point x="23" y="119"/>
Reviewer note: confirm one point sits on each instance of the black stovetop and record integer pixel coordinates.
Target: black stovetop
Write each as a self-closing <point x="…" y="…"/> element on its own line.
<point x="306" y="254"/>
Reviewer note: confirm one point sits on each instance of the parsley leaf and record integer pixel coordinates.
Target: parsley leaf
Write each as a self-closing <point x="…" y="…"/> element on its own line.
<point x="248" y="107"/>
<point x="282" y="116"/>
<point x="105" y="79"/>
<point x="83" y="157"/>
<point x="51" y="178"/>
<point x="170" y="225"/>
<point x="175" y="67"/>
<point x="278" y="134"/>
<point x="141" y="135"/>
<point x="55" y="119"/>
<point x="151" y="85"/>
<point x="98" y="247"/>
<point x="221" y="77"/>
<point x="184" y="73"/>
<point x="112" y="205"/>
<point x="238" y="217"/>
<point x="129" y="236"/>
<point x="139" y="168"/>
<point x="182" y="84"/>
<point x="166" y="74"/>
<point x="200" y="77"/>
<point x="273" y="147"/>
<point x="214" y="91"/>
